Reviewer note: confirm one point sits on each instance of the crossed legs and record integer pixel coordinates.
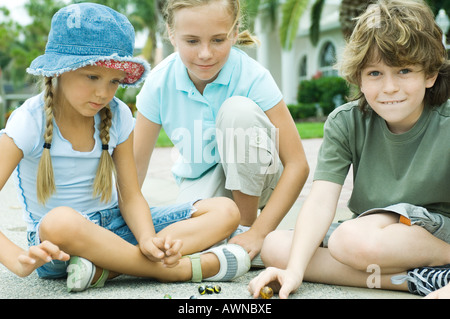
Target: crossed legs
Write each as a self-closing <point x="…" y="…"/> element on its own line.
<point x="214" y="220"/>
<point x="356" y="245"/>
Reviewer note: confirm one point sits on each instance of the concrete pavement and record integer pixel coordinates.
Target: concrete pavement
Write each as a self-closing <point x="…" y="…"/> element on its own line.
<point x="160" y="189"/>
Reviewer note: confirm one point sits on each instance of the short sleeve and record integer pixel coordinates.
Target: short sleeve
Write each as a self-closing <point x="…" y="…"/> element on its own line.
<point x="147" y="101"/>
<point x="159" y="88"/>
<point x="123" y="121"/>
<point x="335" y="156"/>
<point x="264" y="90"/>
<point x="24" y="126"/>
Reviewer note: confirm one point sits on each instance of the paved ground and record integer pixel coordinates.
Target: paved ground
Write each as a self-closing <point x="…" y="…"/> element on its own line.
<point x="160" y="189"/>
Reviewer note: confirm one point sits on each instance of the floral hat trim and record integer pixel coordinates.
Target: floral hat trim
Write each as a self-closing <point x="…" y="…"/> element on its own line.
<point x="133" y="70"/>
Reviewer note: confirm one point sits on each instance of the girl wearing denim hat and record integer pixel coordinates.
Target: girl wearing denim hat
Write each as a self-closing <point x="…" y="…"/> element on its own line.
<point x="70" y="148"/>
<point x="396" y="137"/>
<point x="226" y="116"/>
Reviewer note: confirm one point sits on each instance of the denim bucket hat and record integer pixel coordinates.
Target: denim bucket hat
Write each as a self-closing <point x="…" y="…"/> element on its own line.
<point x="90" y="34"/>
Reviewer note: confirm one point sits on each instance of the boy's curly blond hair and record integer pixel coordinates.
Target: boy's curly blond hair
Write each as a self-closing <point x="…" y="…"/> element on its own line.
<point x="399" y="33"/>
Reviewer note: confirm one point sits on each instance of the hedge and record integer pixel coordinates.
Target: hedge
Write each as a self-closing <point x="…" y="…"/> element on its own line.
<point x="319" y="97"/>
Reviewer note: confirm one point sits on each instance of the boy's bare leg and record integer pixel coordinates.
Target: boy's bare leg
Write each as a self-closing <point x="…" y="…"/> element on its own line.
<point x="380" y="239"/>
<point x="323" y="268"/>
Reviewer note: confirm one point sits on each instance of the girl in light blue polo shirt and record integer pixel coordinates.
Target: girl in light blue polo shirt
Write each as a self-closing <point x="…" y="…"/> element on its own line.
<point x="225" y="114"/>
<point x="71" y="151"/>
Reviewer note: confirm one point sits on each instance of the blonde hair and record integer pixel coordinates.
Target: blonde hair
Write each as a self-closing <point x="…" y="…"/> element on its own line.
<point x="106" y="171"/>
<point x="399" y="33"/>
<point x="244" y="38"/>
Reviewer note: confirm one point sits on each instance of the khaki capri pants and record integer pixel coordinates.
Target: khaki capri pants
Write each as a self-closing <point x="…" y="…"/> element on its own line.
<point x="248" y="146"/>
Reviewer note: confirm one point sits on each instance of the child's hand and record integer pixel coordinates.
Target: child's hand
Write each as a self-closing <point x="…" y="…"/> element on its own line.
<point x="171" y="249"/>
<point x="162" y="249"/>
<point x="282" y="281"/>
<point x="250" y="241"/>
<point x="38" y="255"/>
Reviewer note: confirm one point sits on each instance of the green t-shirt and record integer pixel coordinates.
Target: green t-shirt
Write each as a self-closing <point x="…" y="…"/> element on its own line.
<point x="413" y="167"/>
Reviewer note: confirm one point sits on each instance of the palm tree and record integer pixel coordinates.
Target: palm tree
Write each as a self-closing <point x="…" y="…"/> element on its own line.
<point x="291" y="11"/>
<point x="316" y="14"/>
<point x="348" y="11"/>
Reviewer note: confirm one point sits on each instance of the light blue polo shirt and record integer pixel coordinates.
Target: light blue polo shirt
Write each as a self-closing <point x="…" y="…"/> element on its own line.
<point x="74" y="171"/>
<point x="170" y="98"/>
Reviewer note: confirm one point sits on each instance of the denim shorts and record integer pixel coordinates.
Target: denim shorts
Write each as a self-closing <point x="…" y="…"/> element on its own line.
<point x="436" y="224"/>
<point x="112" y="220"/>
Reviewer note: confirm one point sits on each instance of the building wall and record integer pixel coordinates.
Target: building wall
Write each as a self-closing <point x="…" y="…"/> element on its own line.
<point x="285" y="65"/>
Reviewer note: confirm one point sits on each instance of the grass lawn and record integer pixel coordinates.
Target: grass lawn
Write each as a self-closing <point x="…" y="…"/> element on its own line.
<point x="310" y="129"/>
<point x="305" y="129"/>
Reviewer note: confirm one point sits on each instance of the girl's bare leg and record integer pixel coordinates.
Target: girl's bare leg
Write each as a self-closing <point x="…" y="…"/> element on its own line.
<point x="79" y="237"/>
<point x="214" y="220"/>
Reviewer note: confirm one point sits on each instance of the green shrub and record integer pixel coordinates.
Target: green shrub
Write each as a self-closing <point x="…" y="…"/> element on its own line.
<point x="302" y="110"/>
<point x="308" y="92"/>
<point x="324" y="91"/>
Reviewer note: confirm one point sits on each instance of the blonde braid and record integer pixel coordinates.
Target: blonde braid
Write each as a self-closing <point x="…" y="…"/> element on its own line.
<point x="45" y="183"/>
<point x="103" y="181"/>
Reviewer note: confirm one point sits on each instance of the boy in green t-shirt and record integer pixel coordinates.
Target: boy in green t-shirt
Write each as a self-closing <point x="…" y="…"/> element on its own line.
<point x="396" y="137"/>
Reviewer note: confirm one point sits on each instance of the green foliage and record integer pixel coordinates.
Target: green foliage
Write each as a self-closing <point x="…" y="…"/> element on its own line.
<point x="439" y="4"/>
<point x="319" y="96"/>
<point x="292" y="10"/>
<point x="307" y="92"/>
<point x="128" y="96"/>
<point x="19" y="45"/>
<point x="324" y="91"/>
<point x="302" y="110"/>
<point x="316" y="13"/>
<point x="249" y="9"/>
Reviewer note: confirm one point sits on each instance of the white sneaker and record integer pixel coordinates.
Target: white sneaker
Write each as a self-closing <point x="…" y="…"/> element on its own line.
<point x="81" y="273"/>
<point x="234" y="262"/>
<point x="257" y="261"/>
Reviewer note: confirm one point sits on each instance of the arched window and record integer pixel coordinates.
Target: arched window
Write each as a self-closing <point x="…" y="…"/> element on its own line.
<point x="303" y="69"/>
<point x="327" y="59"/>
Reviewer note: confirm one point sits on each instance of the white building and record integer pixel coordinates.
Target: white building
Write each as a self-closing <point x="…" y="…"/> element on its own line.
<point x="304" y="60"/>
